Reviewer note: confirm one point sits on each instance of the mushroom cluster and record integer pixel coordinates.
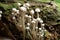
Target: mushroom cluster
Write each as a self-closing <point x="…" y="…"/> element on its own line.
<point x="32" y="19"/>
<point x="24" y="16"/>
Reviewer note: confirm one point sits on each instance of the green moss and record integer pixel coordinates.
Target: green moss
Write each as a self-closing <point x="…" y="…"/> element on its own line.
<point x="8" y="6"/>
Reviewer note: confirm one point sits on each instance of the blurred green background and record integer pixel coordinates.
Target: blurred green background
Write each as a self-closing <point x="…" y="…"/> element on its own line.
<point x="57" y="3"/>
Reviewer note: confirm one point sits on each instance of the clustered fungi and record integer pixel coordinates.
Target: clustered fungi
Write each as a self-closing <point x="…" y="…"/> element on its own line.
<point x="24" y="17"/>
<point x="28" y="22"/>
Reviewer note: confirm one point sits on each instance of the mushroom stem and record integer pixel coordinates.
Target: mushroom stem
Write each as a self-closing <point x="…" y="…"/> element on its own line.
<point x="23" y="24"/>
<point x="34" y="32"/>
<point x="37" y="15"/>
<point x="32" y="16"/>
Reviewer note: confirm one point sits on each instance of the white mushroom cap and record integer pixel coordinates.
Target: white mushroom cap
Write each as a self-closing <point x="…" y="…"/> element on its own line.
<point x="37" y="10"/>
<point x="36" y="27"/>
<point x="45" y="30"/>
<point x="23" y="9"/>
<point x="17" y="11"/>
<point x="28" y="28"/>
<point x="13" y="17"/>
<point x="32" y="11"/>
<point x="0" y="15"/>
<point x="28" y="24"/>
<point x="19" y="4"/>
<point x="43" y="25"/>
<point x="50" y="34"/>
<point x="42" y="35"/>
<point x="40" y="28"/>
<point x="38" y="19"/>
<point x="12" y="13"/>
<point x="26" y="15"/>
<point x="33" y="21"/>
<point x="0" y="12"/>
<point x="27" y="4"/>
<point x="14" y="9"/>
<point x="41" y="21"/>
<point x="29" y="16"/>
